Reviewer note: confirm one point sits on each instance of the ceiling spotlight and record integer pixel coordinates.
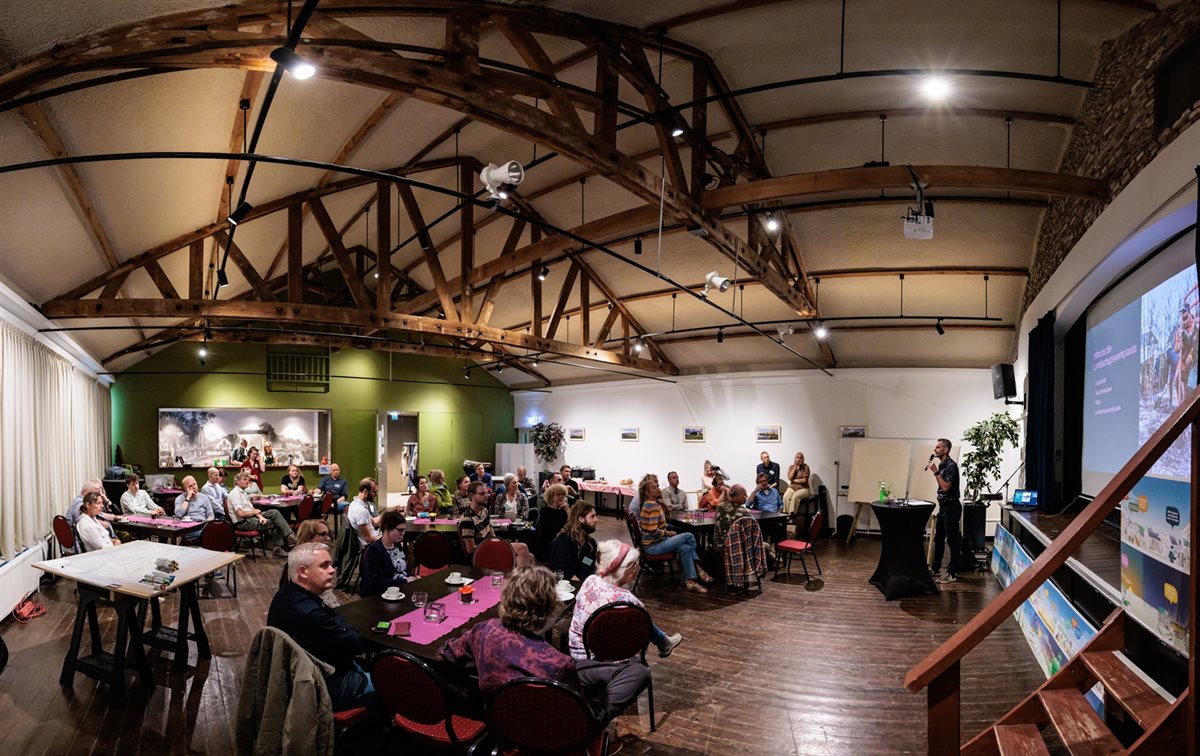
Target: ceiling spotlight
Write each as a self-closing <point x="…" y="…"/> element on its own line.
<point x="715" y="281"/>
<point x="496" y="177"/>
<point x="533" y="362"/>
<point x="239" y="215"/>
<point x="935" y="88"/>
<point x="467" y="373"/>
<point x="377" y="275"/>
<point x="291" y="60"/>
<point x="938" y="327"/>
<point x="785" y="329"/>
<point x="772" y="223"/>
<point x="821" y="331"/>
<point x="545" y="271"/>
<point x="638" y="346"/>
<point x="637" y="246"/>
<point x="203" y="352"/>
<point x="677" y="132"/>
<point x="720" y="335"/>
<point x="222" y="278"/>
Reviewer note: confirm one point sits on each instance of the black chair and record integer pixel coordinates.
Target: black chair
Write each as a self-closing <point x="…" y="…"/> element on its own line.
<point x="544" y="718"/>
<point x="415" y="699"/>
<point x="619" y="631"/>
<point x="635" y="535"/>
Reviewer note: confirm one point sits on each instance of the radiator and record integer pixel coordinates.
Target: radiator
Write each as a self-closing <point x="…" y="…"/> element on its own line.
<point x="19" y="578"/>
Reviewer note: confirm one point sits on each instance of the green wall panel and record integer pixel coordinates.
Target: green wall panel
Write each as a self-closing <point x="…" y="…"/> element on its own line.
<point x="466" y="418"/>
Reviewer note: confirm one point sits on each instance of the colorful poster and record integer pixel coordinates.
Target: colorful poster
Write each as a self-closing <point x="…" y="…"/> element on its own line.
<point x="1156" y="546"/>
<point x="1054" y="629"/>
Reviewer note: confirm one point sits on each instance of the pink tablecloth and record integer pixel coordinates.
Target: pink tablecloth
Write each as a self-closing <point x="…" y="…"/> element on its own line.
<point x="496" y="521"/>
<point x="612" y="488"/>
<point x="457" y="613"/>
<point x="161" y="522"/>
<point x="277" y="499"/>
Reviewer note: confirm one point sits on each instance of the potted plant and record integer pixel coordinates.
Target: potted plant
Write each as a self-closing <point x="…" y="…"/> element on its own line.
<point x="987" y="439"/>
<point x="548" y="440"/>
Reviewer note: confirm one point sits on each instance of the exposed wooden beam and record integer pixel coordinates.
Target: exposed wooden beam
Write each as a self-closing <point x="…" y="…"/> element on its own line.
<point x="620" y="305"/>
<point x="489" y="300"/>
<point x="295" y="252"/>
<point x="383" y="243"/>
<point x="466" y="245"/>
<point x="606" y="328"/>
<point x="239" y="259"/>
<point x="345" y="264"/>
<point x="335" y="316"/>
<point x="535" y="57"/>
<point x="161" y="281"/>
<point x="251" y="83"/>
<point x="196" y="270"/>
<point x="563" y="295"/>
<point x="949" y="270"/>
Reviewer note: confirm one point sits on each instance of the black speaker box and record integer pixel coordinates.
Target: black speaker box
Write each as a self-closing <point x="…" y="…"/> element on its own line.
<point x="1004" y="383"/>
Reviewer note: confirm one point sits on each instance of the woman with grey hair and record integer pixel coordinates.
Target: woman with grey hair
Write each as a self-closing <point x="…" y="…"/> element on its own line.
<point x="512" y="503"/>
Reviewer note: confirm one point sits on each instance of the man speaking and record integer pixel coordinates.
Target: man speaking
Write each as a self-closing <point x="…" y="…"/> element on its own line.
<point x="949" y="519"/>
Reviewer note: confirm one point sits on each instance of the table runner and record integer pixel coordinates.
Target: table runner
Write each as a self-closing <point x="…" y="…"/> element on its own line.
<point x="161" y="522"/>
<point x="496" y="521"/>
<point x="457" y="613"/>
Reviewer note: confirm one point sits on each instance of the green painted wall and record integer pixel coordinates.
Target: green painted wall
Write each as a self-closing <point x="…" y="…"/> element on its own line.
<point x="458" y="417"/>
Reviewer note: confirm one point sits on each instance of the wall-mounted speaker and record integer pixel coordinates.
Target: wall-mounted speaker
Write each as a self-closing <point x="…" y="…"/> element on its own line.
<point x="1004" y="382"/>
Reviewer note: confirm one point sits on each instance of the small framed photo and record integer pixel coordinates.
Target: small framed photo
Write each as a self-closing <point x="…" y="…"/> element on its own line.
<point x="854" y="431"/>
<point x="693" y="434"/>
<point x="768" y="434"/>
<point x="629" y="433"/>
<point x="576" y="434"/>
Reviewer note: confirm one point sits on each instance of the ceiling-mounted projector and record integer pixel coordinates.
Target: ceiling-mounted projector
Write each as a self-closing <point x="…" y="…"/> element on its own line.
<point x="917" y="226"/>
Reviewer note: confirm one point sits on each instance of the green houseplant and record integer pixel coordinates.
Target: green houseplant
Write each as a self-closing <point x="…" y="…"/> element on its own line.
<point x="548" y="440"/>
<point x="987" y="439"/>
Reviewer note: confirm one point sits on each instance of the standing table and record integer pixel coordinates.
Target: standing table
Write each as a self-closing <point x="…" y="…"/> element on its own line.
<point x="599" y="488"/>
<point x="902" y="569"/>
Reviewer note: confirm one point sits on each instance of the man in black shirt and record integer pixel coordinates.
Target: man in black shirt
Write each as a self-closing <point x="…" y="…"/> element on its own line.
<point x="297" y="610"/>
<point x="945" y="472"/>
<point x="768" y="468"/>
<point x="573" y="551"/>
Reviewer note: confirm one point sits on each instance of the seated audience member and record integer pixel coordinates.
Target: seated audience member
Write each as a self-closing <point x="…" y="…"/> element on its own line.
<point x="293" y="482"/>
<point x="438" y="487"/>
<point x="727" y="512"/>
<point x="767" y="499"/>
<point x="335" y="484"/>
<point x="422" y="500"/>
<point x="246" y="516"/>
<point x="525" y="483"/>
<point x="191" y="503"/>
<point x="482" y="475"/>
<point x="798" y="487"/>
<point x="362" y="514"/>
<point x="215" y="490"/>
<point x="104" y="517"/>
<point x="706" y="477"/>
<point x="656" y="539"/>
<point x="554" y="480"/>
<point x="314" y="531"/>
<point x="511" y="646"/>
<point x="297" y="610"/>
<point x="573" y="552"/>
<point x="714" y="495"/>
<point x="268" y="455"/>
<point x="384" y="565"/>
<point x="572" y="485"/>
<point x="617" y="569"/>
<point x="138" y="502"/>
<point x="768" y="468"/>
<point x="552" y="518"/>
<point x="635" y="501"/>
<point x="674" y="498"/>
<point x="476" y="526"/>
<point x="253" y="464"/>
<point x="462" y="495"/>
<point x="511" y="501"/>
<point x="92" y="533"/>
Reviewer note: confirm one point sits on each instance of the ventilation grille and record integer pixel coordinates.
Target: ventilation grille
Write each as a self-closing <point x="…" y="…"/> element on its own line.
<point x="298" y="372"/>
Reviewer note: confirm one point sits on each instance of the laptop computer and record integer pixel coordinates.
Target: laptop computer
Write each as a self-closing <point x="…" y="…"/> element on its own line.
<point x="1024" y="498"/>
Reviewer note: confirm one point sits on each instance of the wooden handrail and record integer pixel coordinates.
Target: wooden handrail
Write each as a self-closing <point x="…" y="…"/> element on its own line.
<point x="947" y="655"/>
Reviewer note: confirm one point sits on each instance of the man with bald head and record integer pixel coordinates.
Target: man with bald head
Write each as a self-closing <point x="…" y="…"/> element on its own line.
<point x="728" y="511"/>
<point x="335" y="484"/>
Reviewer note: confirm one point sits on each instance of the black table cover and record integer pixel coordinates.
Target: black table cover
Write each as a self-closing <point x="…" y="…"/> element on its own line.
<point x="902" y="569"/>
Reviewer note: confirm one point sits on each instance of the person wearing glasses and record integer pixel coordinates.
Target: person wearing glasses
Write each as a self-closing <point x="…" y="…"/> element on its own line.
<point x="475" y="527"/>
<point x="383" y="564"/>
<point x="314" y="531"/>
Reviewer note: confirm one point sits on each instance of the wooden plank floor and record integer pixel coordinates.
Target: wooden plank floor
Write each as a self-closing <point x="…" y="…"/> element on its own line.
<point x="799" y="669"/>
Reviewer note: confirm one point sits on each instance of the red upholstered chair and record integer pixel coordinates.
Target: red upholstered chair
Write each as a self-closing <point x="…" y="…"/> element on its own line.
<point x="797" y="547"/>
<point x="432" y="552"/>
<point x="64" y="534"/>
<point x="495" y="554"/>
<point x="304" y="511"/>
<point x="544" y="717"/>
<point x="635" y="534"/>
<point x="250" y="538"/>
<point x="412" y="693"/>
<point x="619" y="631"/>
<point x="327" y="504"/>
<point x="217" y="535"/>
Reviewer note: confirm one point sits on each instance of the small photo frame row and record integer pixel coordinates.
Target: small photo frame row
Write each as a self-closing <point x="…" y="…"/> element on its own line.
<point x="692" y="434"/>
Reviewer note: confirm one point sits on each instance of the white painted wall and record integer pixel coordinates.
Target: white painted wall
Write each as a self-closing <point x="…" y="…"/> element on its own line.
<point x="810" y="406"/>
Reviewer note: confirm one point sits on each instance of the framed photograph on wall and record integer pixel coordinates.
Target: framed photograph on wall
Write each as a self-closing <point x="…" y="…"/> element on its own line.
<point x="854" y="431"/>
<point x="576" y="434"/>
<point x="693" y="434"/>
<point x="629" y="433"/>
<point x="768" y="434"/>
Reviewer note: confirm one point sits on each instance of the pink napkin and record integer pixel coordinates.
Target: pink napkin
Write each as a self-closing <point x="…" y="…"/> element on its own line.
<point x="457" y="614"/>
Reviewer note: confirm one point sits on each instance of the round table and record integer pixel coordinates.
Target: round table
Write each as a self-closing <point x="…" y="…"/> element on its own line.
<point x="902" y="569"/>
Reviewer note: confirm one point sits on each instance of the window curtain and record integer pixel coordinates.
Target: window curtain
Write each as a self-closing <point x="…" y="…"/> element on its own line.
<point x="1039" y="419"/>
<point x="55" y="433"/>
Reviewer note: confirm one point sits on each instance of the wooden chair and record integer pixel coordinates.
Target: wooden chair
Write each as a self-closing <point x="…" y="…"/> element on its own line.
<point x="619" y="631"/>
<point x="796" y="547"/>
<point x="635" y="535"/>
<point x="415" y="700"/>
<point x="432" y="552"/>
<point x="217" y="535"/>
<point x="64" y="534"/>
<point x="544" y="717"/>
<point x="495" y="554"/>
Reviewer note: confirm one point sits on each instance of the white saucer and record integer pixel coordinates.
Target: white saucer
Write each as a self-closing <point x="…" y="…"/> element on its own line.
<point x="564" y="596"/>
<point x="452" y="581"/>
<point x="391" y="598"/>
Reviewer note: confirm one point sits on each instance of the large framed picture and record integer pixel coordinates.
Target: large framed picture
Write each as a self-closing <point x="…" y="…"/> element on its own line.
<point x="768" y="434"/>
<point x="205" y="436"/>
<point x="693" y="434"/>
<point x="629" y="433"/>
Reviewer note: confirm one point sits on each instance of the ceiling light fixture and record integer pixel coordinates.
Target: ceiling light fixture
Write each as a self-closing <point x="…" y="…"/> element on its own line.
<point x="203" y="352"/>
<point x="239" y="214"/>
<point x="291" y="61"/>
<point x="496" y="178"/>
<point x="637" y="245"/>
<point x="720" y="335"/>
<point x="784" y="329"/>
<point x="222" y="278"/>
<point x="821" y="332"/>
<point x="772" y="223"/>
<point x="533" y="362"/>
<point x="938" y="327"/>
<point x="677" y="132"/>
<point x="935" y="87"/>
<point x="638" y="346"/>
<point x="545" y="271"/>
<point x="716" y="281"/>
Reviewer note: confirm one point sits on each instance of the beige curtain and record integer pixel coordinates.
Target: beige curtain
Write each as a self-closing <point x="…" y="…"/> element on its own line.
<point x="55" y="433"/>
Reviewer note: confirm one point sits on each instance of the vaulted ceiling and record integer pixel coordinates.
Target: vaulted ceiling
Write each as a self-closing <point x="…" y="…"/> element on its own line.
<point x="139" y="119"/>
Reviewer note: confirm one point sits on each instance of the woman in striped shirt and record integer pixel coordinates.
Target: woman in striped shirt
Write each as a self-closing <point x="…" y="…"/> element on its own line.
<point x="656" y="539"/>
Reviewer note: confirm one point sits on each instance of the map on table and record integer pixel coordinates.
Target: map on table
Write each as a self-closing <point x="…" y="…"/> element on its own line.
<point x="131" y="562"/>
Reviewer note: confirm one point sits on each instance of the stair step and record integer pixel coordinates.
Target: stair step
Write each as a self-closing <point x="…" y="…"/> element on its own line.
<point x="1020" y="740"/>
<point x="1081" y="730"/>
<point x="1130" y="692"/>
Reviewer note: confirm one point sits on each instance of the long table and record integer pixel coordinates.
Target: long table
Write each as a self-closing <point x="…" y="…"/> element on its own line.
<point x="165" y="529"/>
<point x="701" y="523"/>
<point x="113" y="576"/>
<point x="599" y="488"/>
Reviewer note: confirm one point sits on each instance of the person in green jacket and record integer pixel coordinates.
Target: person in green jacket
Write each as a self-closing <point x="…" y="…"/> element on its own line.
<point x="437" y="487"/>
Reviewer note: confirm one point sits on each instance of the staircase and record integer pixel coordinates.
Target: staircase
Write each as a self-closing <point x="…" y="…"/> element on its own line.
<point x="1139" y="719"/>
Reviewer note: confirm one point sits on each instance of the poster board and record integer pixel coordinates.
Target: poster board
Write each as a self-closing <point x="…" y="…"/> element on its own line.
<point x="903" y="461"/>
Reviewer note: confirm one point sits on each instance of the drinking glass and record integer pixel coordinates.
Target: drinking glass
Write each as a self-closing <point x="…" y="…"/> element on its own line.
<point x="420" y="598"/>
<point x="435" y="612"/>
<point x="497" y="579"/>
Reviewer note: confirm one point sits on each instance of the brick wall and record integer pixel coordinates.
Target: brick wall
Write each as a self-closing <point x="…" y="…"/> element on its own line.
<point x="1114" y="137"/>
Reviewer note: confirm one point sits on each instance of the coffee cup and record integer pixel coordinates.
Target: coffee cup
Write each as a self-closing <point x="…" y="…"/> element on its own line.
<point x="392" y="593"/>
<point x="564" y="585"/>
<point x="455" y="577"/>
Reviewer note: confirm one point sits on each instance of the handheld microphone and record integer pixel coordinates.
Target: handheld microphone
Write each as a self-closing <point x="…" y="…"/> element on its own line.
<point x="930" y="457"/>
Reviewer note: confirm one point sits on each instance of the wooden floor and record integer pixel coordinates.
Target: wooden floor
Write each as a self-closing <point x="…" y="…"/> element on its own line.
<point x="803" y="669"/>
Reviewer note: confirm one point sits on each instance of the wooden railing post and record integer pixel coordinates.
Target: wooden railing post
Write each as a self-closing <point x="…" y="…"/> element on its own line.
<point x="943" y="717"/>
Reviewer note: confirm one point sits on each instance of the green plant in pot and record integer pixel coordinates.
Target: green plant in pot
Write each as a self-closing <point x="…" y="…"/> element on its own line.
<point x="548" y="440"/>
<point x="987" y="439"/>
